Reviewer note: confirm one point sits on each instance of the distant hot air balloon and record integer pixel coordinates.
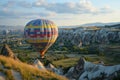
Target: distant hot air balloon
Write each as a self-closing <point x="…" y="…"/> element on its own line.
<point x="41" y="34"/>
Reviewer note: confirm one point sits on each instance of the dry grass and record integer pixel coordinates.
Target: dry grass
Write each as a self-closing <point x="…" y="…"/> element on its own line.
<point x="29" y="72"/>
<point x="9" y="75"/>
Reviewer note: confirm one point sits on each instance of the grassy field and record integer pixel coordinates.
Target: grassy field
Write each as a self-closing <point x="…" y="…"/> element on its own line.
<point x="66" y="62"/>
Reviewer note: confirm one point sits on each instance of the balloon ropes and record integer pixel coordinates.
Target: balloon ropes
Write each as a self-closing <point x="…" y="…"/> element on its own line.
<point x="41" y="34"/>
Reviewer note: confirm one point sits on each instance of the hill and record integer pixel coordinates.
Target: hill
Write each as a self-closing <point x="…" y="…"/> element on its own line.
<point x="100" y="24"/>
<point x="11" y="69"/>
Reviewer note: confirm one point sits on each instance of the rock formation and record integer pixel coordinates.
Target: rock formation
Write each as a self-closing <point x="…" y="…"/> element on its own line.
<point x="75" y="72"/>
<point x="39" y="65"/>
<point x="6" y="51"/>
<point x="58" y="71"/>
<point x="81" y="36"/>
<point x="85" y="70"/>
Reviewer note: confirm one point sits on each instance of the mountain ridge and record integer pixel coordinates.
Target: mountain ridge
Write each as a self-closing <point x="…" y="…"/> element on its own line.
<point x="92" y="24"/>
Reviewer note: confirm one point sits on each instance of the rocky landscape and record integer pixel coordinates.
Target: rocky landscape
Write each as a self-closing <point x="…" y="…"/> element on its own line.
<point x="89" y="35"/>
<point x="11" y="67"/>
<point x="72" y="44"/>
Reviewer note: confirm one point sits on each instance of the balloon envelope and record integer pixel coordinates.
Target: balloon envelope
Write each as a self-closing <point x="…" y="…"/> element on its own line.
<point x="41" y="34"/>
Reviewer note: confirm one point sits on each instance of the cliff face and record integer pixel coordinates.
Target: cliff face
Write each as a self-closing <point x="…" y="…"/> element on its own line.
<point x="86" y="36"/>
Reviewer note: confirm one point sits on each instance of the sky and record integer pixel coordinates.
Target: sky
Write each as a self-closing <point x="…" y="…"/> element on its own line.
<point x="61" y="12"/>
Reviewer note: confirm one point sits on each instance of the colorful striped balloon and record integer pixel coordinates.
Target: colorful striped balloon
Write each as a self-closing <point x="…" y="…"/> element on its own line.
<point x="41" y="34"/>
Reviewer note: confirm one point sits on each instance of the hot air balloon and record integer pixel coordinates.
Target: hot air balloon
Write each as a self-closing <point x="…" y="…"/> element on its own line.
<point x="41" y="34"/>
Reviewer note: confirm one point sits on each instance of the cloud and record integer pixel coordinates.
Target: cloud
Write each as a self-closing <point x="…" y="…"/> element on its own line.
<point x="104" y="10"/>
<point x="9" y="4"/>
<point x="82" y="7"/>
<point x="37" y="14"/>
<point x="39" y="3"/>
<point x="6" y="13"/>
<point x="24" y="4"/>
<point x="10" y="9"/>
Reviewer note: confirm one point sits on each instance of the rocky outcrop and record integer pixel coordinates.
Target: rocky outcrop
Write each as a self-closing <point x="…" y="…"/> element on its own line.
<point x="6" y="51"/>
<point x="77" y="70"/>
<point x="52" y="68"/>
<point x="38" y="64"/>
<point x="85" y="70"/>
